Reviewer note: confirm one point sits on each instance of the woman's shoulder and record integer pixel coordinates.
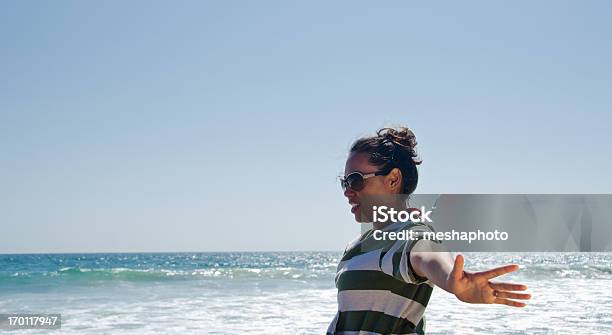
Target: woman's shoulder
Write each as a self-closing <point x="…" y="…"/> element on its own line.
<point x="355" y="241"/>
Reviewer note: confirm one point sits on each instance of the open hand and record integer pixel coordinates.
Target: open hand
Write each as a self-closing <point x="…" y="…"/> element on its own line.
<point x="476" y="288"/>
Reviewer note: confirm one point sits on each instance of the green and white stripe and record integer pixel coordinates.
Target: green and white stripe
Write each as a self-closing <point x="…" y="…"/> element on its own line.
<point x="378" y="293"/>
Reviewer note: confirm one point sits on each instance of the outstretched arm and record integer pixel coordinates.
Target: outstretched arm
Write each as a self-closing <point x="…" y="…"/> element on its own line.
<point x="471" y="287"/>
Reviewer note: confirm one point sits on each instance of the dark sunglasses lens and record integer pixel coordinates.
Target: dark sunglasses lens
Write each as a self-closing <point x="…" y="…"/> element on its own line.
<point x="355" y="181"/>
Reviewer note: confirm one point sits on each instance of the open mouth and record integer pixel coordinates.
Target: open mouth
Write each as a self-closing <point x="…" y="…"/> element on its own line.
<point x="355" y="208"/>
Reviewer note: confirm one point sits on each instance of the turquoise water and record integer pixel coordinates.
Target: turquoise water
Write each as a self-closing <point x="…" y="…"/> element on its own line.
<point x="97" y="268"/>
<point x="280" y="293"/>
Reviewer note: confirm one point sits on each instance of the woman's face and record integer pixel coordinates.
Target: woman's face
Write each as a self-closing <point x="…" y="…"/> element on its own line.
<point x="377" y="185"/>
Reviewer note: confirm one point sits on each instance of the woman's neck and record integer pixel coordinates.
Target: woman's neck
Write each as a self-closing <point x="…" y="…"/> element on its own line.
<point x="400" y="206"/>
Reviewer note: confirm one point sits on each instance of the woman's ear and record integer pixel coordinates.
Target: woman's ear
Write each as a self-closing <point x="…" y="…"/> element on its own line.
<point x="394" y="180"/>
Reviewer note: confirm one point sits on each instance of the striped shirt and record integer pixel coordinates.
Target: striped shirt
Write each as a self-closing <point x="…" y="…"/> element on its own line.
<point x="378" y="292"/>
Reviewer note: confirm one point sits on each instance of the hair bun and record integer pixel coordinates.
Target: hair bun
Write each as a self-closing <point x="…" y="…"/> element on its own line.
<point x="402" y="136"/>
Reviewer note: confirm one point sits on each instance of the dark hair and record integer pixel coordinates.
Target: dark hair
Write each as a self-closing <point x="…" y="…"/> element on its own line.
<point x="393" y="148"/>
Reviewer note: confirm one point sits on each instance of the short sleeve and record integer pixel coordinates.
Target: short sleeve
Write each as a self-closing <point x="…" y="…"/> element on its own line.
<point x="396" y="262"/>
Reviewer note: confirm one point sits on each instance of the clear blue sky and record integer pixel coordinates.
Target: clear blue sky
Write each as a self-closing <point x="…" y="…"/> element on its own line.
<point x="221" y="125"/>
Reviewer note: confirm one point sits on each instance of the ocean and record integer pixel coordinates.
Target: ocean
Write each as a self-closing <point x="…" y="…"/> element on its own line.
<point x="281" y="293"/>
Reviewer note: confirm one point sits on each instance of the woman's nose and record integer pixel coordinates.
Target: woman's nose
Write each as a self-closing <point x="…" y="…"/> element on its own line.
<point x="349" y="192"/>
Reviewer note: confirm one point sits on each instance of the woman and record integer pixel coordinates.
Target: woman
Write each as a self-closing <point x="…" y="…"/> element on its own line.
<point x="384" y="286"/>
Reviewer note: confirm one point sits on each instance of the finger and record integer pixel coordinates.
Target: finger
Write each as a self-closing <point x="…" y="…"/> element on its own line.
<point x="499" y="271"/>
<point x="512" y="295"/>
<point x="508" y="287"/>
<point x="458" y="267"/>
<point x="509" y="302"/>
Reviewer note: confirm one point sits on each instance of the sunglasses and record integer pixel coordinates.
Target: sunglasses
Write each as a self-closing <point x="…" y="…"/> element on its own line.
<point x="356" y="180"/>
